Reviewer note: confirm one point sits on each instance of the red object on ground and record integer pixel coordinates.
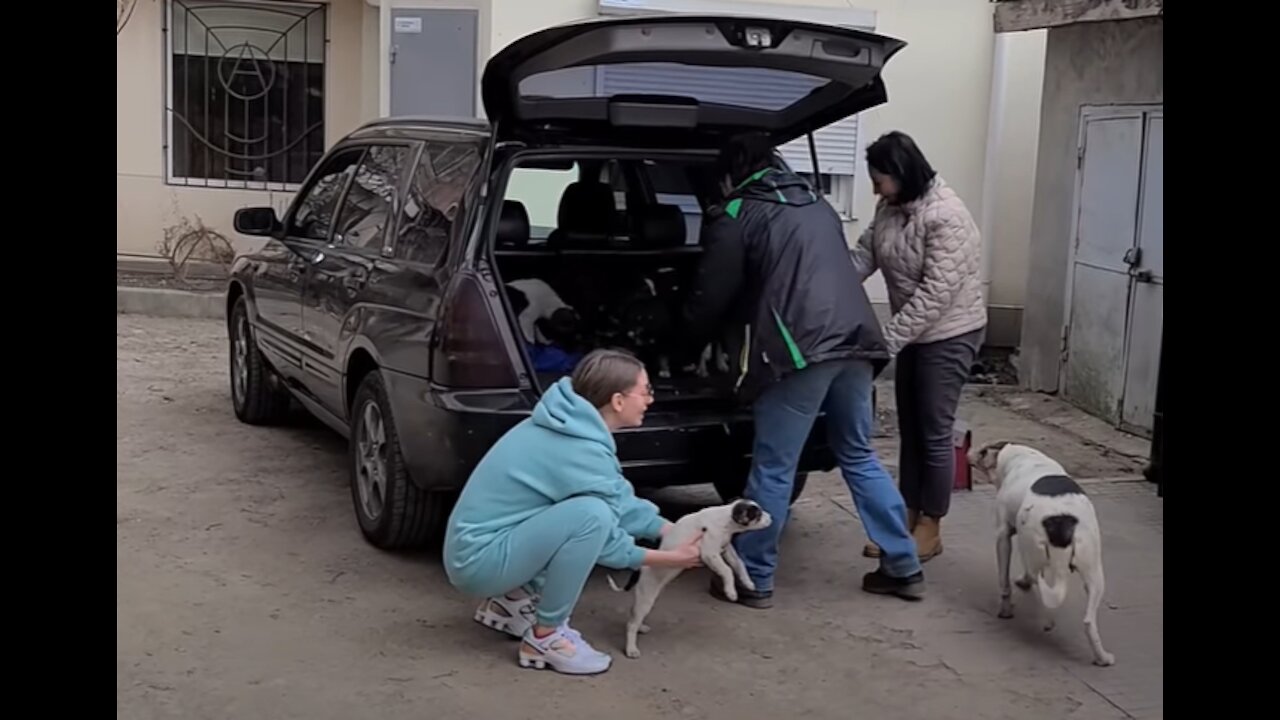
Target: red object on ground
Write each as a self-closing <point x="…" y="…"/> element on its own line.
<point x="962" y="439"/>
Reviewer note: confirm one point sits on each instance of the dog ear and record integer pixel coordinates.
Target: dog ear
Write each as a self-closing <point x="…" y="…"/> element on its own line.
<point x="741" y="512"/>
<point x="984" y="458"/>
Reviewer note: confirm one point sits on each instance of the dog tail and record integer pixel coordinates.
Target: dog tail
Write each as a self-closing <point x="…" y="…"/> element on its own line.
<point x="631" y="581"/>
<point x="1060" y="531"/>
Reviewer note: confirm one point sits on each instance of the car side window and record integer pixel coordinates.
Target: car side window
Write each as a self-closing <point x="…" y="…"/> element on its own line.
<point x="314" y="217"/>
<point x="443" y="173"/>
<point x="369" y="205"/>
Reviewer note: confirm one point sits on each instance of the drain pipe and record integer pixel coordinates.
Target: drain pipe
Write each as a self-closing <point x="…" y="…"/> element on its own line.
<point x="995" y="131"/>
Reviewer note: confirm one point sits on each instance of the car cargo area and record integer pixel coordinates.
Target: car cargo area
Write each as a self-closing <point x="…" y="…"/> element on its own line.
<point x="617" y="242"/>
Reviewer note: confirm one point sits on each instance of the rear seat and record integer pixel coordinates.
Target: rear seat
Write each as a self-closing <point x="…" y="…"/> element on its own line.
<point x="583" y="260"/>
<point x="585" y="217"/>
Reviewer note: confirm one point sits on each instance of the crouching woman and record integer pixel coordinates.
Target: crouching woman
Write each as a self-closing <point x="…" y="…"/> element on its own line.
<point x="548" y="503"/>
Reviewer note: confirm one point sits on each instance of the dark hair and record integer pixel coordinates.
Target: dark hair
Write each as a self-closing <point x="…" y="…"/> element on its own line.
<point x="603" y="373"/>
<point x="895" y="154"/>
<point x="743" y="155"/>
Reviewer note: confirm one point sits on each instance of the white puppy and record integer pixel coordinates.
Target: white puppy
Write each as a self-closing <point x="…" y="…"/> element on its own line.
<point x="718" y="524"/>
<point x="534" y="301"/>
<point x="1057" y="532"/>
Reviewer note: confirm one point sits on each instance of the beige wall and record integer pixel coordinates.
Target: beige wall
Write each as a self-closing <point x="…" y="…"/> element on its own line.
<point x="145" y="204"/>
<point x="939" y="92"/>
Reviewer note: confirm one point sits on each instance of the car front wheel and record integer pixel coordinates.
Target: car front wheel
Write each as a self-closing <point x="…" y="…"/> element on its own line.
<point x="392" y="511"/>
<point x="256" y="393"/>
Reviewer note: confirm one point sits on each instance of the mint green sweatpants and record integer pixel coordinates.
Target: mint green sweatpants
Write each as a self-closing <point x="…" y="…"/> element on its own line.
<point x="551" y="553"/>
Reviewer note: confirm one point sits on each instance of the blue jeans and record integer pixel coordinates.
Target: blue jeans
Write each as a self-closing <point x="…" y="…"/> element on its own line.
<point x="784" y="416"/>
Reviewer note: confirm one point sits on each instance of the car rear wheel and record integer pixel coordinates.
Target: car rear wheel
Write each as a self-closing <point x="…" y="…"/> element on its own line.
<point x="256" y="393"/>
<point x="731" y="486"/>
<point x="392" y="511"/>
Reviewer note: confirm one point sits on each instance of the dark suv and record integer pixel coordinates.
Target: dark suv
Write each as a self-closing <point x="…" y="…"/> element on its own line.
<point x="383" y="303"/>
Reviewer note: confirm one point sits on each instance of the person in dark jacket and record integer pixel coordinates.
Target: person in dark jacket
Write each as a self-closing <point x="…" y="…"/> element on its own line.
<point x="775" y="250"/>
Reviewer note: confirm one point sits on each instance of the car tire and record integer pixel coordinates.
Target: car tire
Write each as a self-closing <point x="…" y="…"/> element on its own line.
<point x="393" y="512"/>
<point x="256" y="391"/>
<point x="732" y="486"/>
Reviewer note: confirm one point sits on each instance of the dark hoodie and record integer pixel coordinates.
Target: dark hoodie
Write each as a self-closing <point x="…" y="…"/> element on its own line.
<point x="775" y="256"/>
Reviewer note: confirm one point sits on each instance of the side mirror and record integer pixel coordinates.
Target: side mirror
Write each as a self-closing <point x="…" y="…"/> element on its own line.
<point x="258" y="221"/>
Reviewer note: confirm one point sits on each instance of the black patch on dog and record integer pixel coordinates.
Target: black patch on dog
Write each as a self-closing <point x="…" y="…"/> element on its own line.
<point x="1060" y="529"/>
<point x="1056" y="485"/>
<point x="746" y="512"/>
<point x="631" y="581"/>
<point x="562" y="328"/>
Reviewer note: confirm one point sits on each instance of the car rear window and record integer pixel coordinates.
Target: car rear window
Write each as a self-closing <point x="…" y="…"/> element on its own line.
<point x="744" y="87"/>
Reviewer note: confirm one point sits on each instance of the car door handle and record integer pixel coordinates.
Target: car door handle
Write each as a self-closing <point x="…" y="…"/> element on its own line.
<point x="355" y="281"/>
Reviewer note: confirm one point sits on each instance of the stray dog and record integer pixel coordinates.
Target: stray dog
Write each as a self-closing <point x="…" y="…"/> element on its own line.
<point x="724" y="353"/>
<point x="1057" y="531"/>
<point x="718" y="524"/>
<point x="644" y="318"/>
<point x="544" y="318"/>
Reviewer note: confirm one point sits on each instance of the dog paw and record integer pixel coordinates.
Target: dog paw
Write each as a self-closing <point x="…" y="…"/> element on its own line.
<point x="1006" y="612"/>
<point x="643" y="629"/>
<point x="1048" y="626"/>
<point x="633" y="652"/>
<point x="731" y="594"/>
<point x="1105" y="660"/>
<point x="1023" y="583"/>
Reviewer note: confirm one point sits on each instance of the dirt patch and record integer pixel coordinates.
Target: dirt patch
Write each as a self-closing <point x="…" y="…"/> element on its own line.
<point x="245" y="590"/>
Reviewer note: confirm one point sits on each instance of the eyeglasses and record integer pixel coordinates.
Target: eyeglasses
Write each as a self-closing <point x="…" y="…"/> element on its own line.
<point x="647" y="392"/>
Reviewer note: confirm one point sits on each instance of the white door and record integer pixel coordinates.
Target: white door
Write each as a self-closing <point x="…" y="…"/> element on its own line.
<point x="1115" y="294"/>
<point x="1146" y="310"/>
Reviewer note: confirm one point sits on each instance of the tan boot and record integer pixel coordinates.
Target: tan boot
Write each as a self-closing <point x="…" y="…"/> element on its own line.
<point x="872" y="550"/>
<point x="928" y="535"/>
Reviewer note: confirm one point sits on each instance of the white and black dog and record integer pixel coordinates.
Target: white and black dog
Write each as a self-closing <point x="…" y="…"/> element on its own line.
<point x="718" y="525"/>
<point x="1056" y="527"/>
<point x="544" y="318"/>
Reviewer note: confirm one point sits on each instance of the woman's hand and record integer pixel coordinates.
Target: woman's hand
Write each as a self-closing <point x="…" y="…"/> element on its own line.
<point x="684" y="556"/>
<point x="666" y="528"/>
<point x="688" y="555"/>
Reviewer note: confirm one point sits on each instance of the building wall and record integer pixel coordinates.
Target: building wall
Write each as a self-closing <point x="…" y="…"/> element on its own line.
<point x="1012" y="185"/>
<point x="1118" y="62"/>
<point x="145" y="204"/>
<point x="939" y="92"/>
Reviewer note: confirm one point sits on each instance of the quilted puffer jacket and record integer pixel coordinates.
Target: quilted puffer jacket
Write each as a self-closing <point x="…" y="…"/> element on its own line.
<point x="929" y="252"/>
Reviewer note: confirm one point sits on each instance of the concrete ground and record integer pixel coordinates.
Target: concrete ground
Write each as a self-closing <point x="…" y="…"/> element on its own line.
<point x="244" y="589"/>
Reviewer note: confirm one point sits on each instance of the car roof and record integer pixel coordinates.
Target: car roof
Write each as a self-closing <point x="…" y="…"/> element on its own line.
<point x="388" y="128"/>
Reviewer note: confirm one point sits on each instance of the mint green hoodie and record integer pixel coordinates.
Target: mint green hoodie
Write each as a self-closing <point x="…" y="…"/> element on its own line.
<point x="563" y="450"/>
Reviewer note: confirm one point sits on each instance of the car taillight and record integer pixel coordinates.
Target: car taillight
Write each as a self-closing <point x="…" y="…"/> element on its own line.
<point x="471" y="350"/>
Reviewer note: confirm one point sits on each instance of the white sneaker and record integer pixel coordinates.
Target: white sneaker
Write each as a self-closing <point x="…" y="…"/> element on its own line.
<point x="563" y="651"/>
<point x="513" y="617"/>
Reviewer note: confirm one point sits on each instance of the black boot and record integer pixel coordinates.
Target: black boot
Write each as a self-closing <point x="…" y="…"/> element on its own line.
<point x="907" y="588"/>
<point x="749" y="598"/>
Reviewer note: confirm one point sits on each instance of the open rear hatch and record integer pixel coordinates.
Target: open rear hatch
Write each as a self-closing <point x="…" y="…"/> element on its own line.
<point x="718" y="74"/>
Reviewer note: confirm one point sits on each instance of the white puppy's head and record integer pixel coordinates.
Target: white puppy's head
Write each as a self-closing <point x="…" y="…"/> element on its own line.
<point x="748" y="515"/>
<point x="983" y="461"/>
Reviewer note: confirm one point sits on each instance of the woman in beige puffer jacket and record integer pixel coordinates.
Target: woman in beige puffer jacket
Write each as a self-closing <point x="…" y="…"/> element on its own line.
<point x="925" y="243"/>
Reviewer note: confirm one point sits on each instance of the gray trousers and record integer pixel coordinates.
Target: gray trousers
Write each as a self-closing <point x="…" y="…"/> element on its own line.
<point x="927" y="384"/>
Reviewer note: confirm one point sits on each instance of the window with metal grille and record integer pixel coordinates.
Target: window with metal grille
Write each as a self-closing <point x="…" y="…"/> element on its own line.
<point x="245" y="92"/>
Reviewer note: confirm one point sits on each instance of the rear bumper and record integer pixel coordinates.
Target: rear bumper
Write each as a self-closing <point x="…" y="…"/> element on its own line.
<point x="443" y="434"/>
<point x="674" y="450"/>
